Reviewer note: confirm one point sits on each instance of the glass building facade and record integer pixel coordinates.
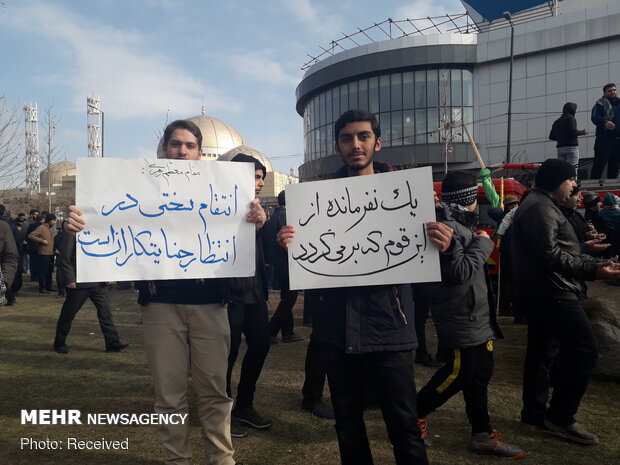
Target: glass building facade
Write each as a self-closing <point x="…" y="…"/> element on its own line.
<point x="409" y="105"/>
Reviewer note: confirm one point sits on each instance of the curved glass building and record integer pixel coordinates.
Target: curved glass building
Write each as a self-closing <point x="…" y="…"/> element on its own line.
<point x="423" y="86"/>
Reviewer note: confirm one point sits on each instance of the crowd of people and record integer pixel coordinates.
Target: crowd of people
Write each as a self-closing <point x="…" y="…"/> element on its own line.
<point x="193" y="327"/>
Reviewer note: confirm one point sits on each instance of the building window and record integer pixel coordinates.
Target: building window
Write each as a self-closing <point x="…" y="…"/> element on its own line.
<point x="373" y="95"/>
<point x="396" y="92"/>
<point x="353" y="104"/>
<point x="344" y="98"/>
<point x="410" y="107"/>
<point x="362" y="91"/>
<point x="397" y="128"/>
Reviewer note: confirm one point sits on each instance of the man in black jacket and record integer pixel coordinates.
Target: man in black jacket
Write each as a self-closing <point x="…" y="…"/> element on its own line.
<point x="548" y="269"/>
<point x="247" y="314"/>
<point x="360" y="338"/>
<point x="564" y="131"/>
<point x="606" y="117"/>
<point x="76" y="296"/>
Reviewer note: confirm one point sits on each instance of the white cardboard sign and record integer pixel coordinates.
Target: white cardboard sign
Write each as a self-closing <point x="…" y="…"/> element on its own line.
<point x="164" y="219"/>
<point x="362" y="230"/>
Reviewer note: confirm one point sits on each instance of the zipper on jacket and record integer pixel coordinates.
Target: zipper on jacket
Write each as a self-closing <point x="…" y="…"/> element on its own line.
<point x="398" y="304"/>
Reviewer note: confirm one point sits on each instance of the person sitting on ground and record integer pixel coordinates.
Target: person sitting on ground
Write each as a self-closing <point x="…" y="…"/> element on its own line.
<point x="465" y="334"/>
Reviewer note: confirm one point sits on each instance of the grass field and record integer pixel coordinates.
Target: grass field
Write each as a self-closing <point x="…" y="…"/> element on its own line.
<point x="88" y="379"/>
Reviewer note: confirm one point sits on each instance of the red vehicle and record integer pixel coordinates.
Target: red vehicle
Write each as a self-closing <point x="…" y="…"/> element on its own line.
<point x="510" y="187"/>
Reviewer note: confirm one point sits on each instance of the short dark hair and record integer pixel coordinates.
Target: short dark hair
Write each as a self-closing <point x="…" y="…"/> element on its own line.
<point x="353" y="116"/>
<point x="244" y="157"/>
<point x="2" y="210"/>
<point x="607" y="86"/>
<point x="282" y="199"/>
<point x="33" y="210"/>
<point x="49" y="217"/>
<point x="182" y="124"/>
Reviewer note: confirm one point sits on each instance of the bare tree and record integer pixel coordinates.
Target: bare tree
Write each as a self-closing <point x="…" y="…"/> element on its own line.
<point x="50" y="153"/>
<point x="12" y="165"/>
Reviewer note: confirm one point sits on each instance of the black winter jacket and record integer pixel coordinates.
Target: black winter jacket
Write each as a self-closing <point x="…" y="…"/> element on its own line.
<point x="546" y="257"/>
<point x="564" y="131"/>
<point x="459" y="303"/>
<point x="367" y="318"/>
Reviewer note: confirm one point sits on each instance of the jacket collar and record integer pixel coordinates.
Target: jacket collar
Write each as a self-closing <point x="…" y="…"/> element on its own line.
<point x="378" y="167"/>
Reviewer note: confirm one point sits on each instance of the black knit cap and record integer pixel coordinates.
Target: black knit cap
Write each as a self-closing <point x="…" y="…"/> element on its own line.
<point x="459" y="187"/>
<point x="552" y="173"/>
<point x="250" y="159"/>
<point x="590" y="199"/>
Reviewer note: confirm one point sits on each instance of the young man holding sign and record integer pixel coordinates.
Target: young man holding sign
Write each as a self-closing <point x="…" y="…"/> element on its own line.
<point x="381" y="354"/>
<point x="186" y="333"/>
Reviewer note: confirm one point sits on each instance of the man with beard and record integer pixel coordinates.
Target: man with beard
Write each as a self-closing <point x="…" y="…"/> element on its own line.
<point x="606" y="117"/>
<point x="382" y="354"/>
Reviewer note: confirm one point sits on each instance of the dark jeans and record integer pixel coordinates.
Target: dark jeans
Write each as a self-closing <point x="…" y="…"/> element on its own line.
<point x="422" y="311"/>
<point x="16" y="285"/>
<point x="282" y="319"/>
<point x="74" y="300"/>
<point x="253" y="321"/>
<point x="33" y="266"/>
<point x="43" y="274"/>
<point x="556" y="326"/>
<point x="315" y="372"/>
<point x="391" y="375"/>
<point x="606" y="151"/>
<point x="468" y="370"/>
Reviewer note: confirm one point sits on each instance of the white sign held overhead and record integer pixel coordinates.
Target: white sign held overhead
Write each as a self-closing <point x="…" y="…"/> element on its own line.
<point x="362" y="230"/>
<point x="164" y="219"/>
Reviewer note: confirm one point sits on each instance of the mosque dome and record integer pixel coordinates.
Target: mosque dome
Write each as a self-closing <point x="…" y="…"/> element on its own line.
<point x="57" y="172"/>
<point x="217" y="137"/>
<point x="248" y="151"/>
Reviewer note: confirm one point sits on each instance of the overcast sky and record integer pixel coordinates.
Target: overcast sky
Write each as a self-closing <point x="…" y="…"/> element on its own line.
<point x="145" y="58"/>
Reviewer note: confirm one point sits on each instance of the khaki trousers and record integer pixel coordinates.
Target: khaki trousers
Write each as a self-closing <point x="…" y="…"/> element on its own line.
<point x="184" y="340"/>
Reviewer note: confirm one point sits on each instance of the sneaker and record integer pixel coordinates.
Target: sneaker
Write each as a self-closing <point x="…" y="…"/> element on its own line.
<point x="249" y="417"/>
<point x="574" y="432"/>
<point x="318" y="409"/>
<point x="492" y="444"/>
<point x="423" y="425"/>
<point x="116" y="347"/>
<point x="236" y="430"/>
<point x="292" y="338"/>
<point x="61" y="349"/>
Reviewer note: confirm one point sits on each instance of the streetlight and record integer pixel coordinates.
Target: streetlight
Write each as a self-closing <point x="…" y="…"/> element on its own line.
<point x="508" y="17"/>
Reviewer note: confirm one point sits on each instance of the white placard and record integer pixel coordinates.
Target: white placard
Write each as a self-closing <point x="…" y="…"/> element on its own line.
<point x="164" y="219"/>
<point x="362" y="230"/>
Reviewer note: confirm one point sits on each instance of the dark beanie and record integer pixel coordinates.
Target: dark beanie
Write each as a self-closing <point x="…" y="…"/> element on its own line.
<point x="590" y="199"/>
<point x="552" y="173"/>
<point x="249" y="159"/>
<point x="459" y="187"/>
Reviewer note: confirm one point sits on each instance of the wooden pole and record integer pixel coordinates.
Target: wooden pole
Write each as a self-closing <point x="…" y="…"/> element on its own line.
<point x="473" y="144"/>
